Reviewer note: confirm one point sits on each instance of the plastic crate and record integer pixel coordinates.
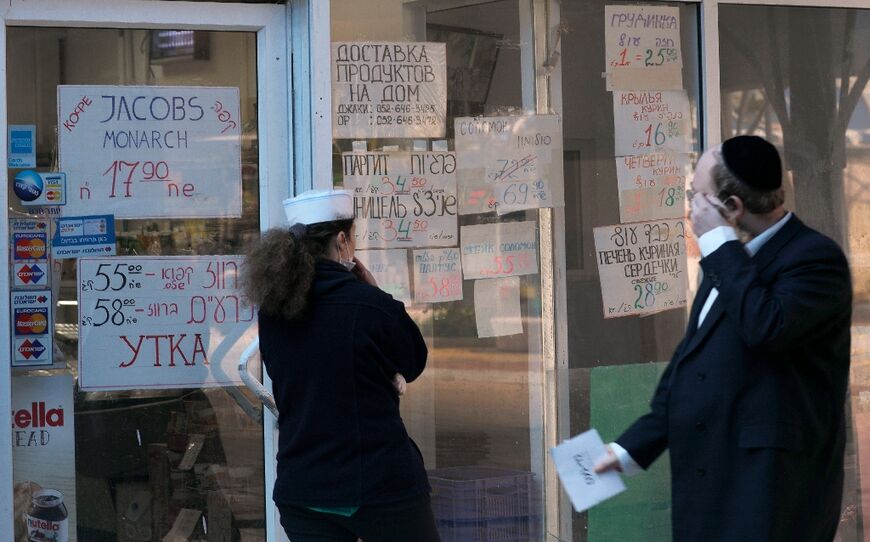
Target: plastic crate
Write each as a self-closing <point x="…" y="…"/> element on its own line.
<point x="521" y="529"/>
<point x="474" y="493"/>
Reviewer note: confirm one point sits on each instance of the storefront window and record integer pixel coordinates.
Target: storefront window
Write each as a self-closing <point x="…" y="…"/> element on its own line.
<point x="164" y="454"/>
<point x="798" y="77"/>
<point x="476" y="413"/>
<point x="616" y="350"/>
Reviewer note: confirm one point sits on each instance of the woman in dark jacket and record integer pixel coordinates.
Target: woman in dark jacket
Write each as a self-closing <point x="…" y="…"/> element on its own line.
<point x="337" y="348"/>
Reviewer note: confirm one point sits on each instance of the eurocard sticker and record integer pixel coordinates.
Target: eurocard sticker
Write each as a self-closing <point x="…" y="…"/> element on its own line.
<point x="31" y="328"/>
<point x="29" y="253"/>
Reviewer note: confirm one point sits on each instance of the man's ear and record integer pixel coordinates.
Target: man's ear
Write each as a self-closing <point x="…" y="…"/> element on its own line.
<point x="735" y="206"/>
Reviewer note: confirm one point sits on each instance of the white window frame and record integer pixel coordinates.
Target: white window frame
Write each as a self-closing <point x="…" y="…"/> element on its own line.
<point x="554" y="302"/>
<point x="274" y="112"/>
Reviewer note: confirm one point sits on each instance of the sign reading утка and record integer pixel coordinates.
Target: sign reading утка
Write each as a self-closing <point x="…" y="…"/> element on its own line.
<point x="151" y="152"/>
<point x="161" y="322"/>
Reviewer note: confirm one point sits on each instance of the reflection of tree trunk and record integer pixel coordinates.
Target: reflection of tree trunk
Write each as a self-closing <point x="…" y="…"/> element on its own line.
<point x="811" y="143"/>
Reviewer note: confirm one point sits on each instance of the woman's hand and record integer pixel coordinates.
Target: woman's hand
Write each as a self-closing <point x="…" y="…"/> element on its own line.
<point x="399" y="383"/>
<point x="363" y="273"/>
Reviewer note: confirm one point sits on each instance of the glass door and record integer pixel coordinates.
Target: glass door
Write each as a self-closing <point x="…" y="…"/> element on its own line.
<point x="137" y="166"/>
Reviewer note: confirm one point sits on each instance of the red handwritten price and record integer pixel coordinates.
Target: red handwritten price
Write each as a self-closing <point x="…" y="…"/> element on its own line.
<point x="224" y="116"/>
<point x="122" y="172"/>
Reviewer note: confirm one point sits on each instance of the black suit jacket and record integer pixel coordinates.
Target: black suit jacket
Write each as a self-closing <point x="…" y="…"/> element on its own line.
<point x="751" y="406"/>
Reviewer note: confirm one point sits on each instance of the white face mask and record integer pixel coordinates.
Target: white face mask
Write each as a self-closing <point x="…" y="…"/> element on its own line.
<point x="349" y="264"/>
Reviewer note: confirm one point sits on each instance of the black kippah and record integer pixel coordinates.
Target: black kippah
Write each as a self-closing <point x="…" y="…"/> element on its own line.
<point x="298" y="230"/>
<point x="754" y="161"/>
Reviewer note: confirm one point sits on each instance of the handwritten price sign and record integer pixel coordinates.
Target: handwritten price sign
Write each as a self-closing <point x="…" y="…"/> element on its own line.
<point x="161" y="322"/>
<point x="509" y="164"/>
<point x="151" y="152"/>
<point x="647" y="122"/>
<point x="642" y="44"/>
<point x="390" y="270"/>
<point x="652" y="186"/>
<point x="499" y="250"/>
<point x="642" y="267"/>
<point x="403" y="199"/>
<point x="437" y="275"/>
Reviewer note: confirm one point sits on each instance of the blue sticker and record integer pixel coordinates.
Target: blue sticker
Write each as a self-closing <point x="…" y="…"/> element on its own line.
<point x="22" y="145"/>
<point x="28" y="185"/>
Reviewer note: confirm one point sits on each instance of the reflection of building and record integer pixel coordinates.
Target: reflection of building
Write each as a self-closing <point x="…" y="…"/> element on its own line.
<point x="498" y="402"/>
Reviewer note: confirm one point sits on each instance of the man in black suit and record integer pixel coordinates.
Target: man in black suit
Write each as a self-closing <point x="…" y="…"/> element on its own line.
<point x="751" y="406"/>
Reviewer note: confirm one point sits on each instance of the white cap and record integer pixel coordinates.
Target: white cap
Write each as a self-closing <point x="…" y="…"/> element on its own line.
<point x="317" y="206"/>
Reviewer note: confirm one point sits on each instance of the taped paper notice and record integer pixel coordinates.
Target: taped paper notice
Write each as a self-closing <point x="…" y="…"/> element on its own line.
<point x="497" y="307"/>
<point x="642" y="267"/>
<point x="437" y="275"/>
<point x="402" y="200"/>
<point x="395" y="89"/>
<point x="642" y="44"/>
<point x="652" y="186"/>
<point x="651" y="121"/>
<point x="151" y="152"/>
<point x="390" y="269"/>
<point x="575" y="462"/>
<point x="499" y="250"/>
<point x="509" y="164"/>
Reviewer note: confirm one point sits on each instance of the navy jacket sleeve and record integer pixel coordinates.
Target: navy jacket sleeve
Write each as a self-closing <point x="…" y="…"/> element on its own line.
<point x="404" y="344"/>
<point x="647" y="437"/>
<point x="792" y="308"/>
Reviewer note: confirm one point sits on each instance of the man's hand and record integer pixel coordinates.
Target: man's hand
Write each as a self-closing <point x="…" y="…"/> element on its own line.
<point x="707" y="214"/>
<point x="608" y="462"/>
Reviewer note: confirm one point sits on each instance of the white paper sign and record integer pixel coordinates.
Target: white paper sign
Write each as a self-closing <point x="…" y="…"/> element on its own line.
<point x="151" y="152"/>
<point x="642" y="267"/>
<point x="403" y="200"/>
<point x="642" y="44"/>
<point x="437" y="275"/>
<point x="43" y="451"/>
<point x="651" y="121"/>
<point x="575" y="461"/>
<point x="161" y="322"/>
<point x="32" y="327"/>
<point x="499" y="250"/>
<point x="497" y="307"/>
<point x="390" y="269"/>
<point x="652" y="186"/>
<point x="509" y="163"/>
<point x="393" y="89"/>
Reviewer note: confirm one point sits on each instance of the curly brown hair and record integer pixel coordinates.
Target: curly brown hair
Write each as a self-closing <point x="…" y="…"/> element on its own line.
<point x="279" y="267"/>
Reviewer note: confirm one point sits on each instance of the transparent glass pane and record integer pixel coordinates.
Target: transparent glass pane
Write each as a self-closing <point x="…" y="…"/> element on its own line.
<point x="798" y="77"/>
<point x="614" y="363"/>
<point x="129" y="479"/>
<point x="478" y="405"/>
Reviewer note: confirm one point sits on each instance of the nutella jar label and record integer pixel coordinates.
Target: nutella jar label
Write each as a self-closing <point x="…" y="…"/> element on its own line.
<point x="47" y="518"/>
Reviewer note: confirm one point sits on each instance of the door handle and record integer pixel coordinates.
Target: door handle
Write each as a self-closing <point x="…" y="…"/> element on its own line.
<point x="252" y="383"/>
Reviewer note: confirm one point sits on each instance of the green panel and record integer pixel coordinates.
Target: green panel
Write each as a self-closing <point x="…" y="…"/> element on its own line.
<point x="619" y="395"/>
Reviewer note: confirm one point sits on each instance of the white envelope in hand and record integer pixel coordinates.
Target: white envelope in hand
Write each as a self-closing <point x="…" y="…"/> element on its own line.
<point x="575" y="459"/>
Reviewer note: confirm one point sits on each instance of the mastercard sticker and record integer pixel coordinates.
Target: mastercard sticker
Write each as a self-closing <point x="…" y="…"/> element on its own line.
<point x="31" y="328"/>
